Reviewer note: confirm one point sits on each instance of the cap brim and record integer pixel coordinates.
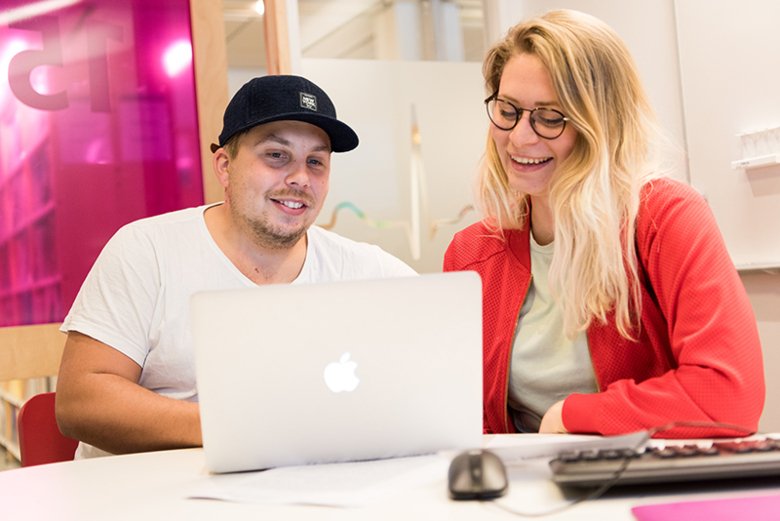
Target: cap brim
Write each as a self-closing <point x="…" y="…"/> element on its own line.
<point x="342" y="137"/>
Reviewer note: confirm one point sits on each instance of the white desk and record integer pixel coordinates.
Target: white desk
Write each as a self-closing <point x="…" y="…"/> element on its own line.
<point x="156" y="485"/>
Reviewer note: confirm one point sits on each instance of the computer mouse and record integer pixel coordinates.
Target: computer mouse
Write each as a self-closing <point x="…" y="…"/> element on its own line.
<point x="477" y="474"/>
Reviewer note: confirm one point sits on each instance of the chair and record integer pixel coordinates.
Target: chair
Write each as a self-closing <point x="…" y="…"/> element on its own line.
<point x="28" y="352"/>
<point x="40" y="439"/>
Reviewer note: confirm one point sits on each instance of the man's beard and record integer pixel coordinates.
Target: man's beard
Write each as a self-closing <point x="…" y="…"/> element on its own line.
<point x="271" y="238"/>
<point x="264" y="232"/>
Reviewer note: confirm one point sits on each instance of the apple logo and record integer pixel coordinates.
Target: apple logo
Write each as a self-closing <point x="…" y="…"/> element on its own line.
<point x="340" y="376"/>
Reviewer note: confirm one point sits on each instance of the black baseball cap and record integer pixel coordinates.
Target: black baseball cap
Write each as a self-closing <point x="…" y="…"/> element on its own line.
<point x="284" y="97"/>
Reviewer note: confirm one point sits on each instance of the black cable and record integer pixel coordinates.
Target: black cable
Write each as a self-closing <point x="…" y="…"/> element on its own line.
<point x="628" y="456"/>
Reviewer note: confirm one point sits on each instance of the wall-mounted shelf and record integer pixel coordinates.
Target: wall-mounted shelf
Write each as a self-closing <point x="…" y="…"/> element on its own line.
<point x="765" y="267"/>
<point x="760" y="149"/>
<point x="756" y="162"/>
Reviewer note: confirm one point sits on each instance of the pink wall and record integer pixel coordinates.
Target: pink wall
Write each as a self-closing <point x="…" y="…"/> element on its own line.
<point x="98" y="127"/>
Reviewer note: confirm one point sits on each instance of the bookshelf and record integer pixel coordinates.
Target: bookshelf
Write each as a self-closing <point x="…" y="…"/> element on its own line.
<point x="29" y="274"/>
<point x="30" y="281"/>
<point x="13" y="394"/>
<point x="55" y="183"/>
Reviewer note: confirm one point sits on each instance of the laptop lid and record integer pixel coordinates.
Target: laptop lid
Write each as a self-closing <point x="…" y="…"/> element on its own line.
<point x="344" y="371"/>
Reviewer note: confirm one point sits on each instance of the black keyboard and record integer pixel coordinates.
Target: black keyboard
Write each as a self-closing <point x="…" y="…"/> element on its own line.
<point x="744" y="458"/>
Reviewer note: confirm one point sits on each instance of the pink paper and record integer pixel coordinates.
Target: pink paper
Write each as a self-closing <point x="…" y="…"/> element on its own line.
<point x="756" y="508"/>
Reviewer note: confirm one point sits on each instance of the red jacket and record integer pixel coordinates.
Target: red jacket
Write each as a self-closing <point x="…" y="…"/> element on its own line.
<point x="698" y="355"/>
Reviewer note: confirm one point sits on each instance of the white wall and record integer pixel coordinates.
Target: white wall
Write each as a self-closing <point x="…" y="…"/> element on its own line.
<point x="731" y="85"/>
<point x="378" y="101"/>
<point x="764" y="292"/>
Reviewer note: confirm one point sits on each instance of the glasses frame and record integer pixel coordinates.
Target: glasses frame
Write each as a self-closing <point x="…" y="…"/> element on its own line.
<point x="519" y="115"/>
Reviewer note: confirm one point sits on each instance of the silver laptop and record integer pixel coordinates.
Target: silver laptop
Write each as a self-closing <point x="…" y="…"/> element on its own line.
<point x="345" y="371"/>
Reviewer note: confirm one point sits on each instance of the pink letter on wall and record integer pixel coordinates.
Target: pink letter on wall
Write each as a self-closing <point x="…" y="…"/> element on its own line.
<point x="98" y="127"/>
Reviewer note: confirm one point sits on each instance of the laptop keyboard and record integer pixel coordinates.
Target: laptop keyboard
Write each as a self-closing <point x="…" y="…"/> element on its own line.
<point x="745" y="458"/>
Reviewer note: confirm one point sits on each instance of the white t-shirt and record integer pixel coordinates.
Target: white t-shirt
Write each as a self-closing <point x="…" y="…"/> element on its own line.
<point x="136" y="296"/>
<point x="546" y="365"/>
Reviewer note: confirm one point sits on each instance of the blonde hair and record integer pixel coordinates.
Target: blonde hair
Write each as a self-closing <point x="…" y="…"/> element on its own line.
<point x="594" y="194"/>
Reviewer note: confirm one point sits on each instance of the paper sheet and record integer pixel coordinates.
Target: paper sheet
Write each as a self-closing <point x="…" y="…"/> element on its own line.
<point x="756" y="508"/>
<point x="513" y="448"/>
<point x="362" y="483"/>
<point x="333" y="484"/>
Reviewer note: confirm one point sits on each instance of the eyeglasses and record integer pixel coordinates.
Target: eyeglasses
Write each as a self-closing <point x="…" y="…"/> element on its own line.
<point x="546" y="123"/>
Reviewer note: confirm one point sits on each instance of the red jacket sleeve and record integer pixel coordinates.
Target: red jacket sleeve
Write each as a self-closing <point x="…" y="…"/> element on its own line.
<point x="694" y="303"/>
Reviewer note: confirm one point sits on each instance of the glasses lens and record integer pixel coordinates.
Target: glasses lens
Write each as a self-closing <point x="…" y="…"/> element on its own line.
<point x="502" y="114"/>
<point x="548" y="123"/>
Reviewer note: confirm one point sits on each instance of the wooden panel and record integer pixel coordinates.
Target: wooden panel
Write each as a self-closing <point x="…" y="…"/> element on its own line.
<point x="30" y="351"/>
<point x="277" y="38"/>
<point x="211" y="86"/>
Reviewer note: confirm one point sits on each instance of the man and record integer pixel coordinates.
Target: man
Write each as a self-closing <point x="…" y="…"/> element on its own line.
<point x="127" y="382"/>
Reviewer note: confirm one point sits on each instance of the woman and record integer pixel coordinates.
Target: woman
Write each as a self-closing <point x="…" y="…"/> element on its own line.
<point x="610" y="302"/>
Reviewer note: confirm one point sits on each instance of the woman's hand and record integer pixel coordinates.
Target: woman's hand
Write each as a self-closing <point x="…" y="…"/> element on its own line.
<point x="552" y="422"/>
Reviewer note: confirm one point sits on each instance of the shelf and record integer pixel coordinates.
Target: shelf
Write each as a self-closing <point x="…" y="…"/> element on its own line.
<point x="760" y="149"/>
<point x="9" y="409"/>
<point x="41" y="213"/>
<point x="29" y="287"/>
<point x="751" y="163"/>
<point x="16" y="164"/>
<point x="765" y="267"/>
<point x="13" y="394"/>
<point x="11" y="447"/>
<point x="11" y="398"/>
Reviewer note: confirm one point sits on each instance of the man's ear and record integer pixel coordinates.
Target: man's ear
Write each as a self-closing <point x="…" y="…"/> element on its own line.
<point x="221" y="162"/>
